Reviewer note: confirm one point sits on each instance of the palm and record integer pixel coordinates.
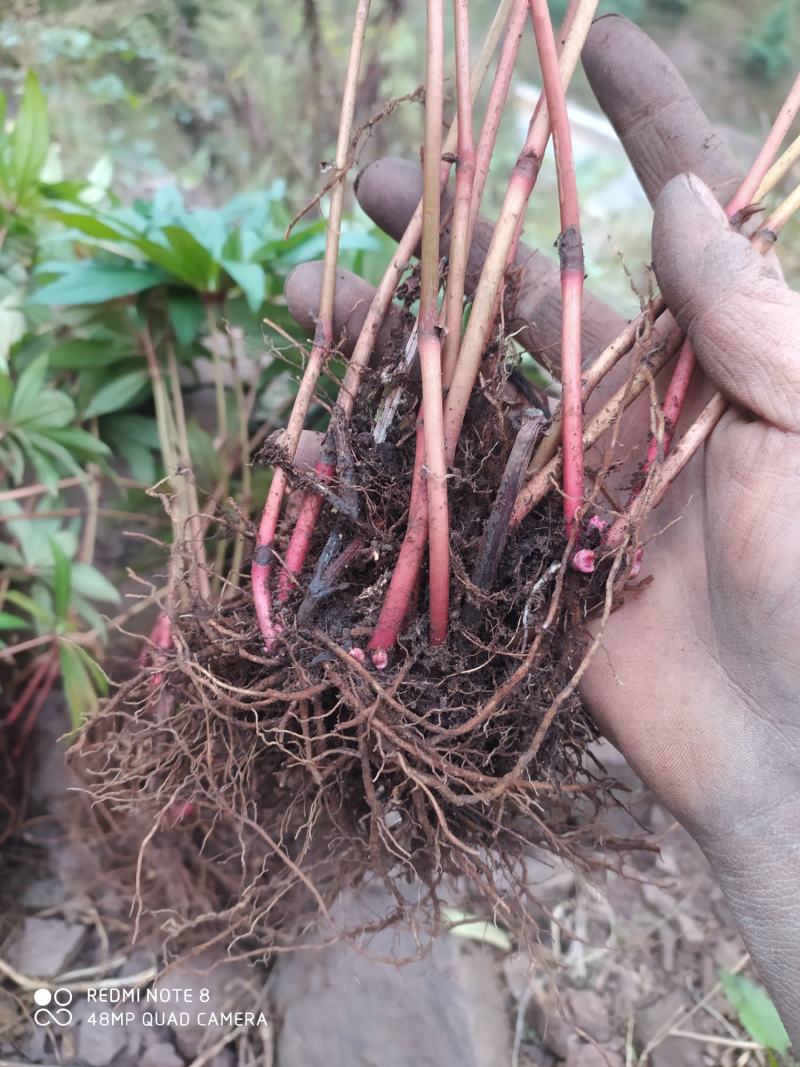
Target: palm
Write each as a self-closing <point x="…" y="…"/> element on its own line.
<point x="687" y="659"/>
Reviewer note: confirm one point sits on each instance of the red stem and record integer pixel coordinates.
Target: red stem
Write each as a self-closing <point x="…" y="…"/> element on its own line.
<point x="21" y="702"/>
<point x="261" y="569"/>
<point x="406" y="569"/>
<point x="571" y="257"/>
<point x="498" y="94"/>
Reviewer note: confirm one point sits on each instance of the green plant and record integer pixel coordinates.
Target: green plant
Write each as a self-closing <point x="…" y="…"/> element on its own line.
<point x="758" y="1016"/>
<point x="109" y="314"/>
<point x="769" y="50"/>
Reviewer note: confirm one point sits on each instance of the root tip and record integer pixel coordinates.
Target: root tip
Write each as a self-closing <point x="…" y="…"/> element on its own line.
<point x="380" y="659"/>
<point x="584" y="561"/>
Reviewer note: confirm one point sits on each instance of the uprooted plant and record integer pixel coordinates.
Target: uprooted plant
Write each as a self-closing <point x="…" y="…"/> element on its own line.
<point x="396" y="695"/>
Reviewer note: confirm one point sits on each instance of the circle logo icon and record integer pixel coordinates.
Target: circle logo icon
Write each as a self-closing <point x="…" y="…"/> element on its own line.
<point x="59" y="1014"/>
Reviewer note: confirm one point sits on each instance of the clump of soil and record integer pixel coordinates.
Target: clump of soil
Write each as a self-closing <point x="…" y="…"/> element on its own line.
<point x="237" y="794"/>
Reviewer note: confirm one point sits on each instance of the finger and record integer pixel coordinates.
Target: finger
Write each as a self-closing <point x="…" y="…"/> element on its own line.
<point x="389" y="190"/>
<point x="743" y="320"/>
<point x="661" y="125"/>
<point x="309" y="450"/>
<point x="351" y="303"/>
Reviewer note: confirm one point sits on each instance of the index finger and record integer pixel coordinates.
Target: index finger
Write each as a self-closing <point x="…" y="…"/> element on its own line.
<point x="662" y="127"/>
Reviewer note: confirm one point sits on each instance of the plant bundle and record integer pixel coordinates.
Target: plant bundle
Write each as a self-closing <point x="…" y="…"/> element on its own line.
<point x="396" y="694"/>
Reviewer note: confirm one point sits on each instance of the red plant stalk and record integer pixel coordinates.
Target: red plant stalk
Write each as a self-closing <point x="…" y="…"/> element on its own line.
<point x="396" y="604"/>
<point x="675" y="396"/>
<point x="520" y="186"/>
<point x="261" y="569"/>
<point x="570" y="248"/>
<point x="300" y="541"/>
<point x="498" y="95"/>
<point x="406" y="570"/>
<point x="460" y="231"/>
<point x="430" y="353"/>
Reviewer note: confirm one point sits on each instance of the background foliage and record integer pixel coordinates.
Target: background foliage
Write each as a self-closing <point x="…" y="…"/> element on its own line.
<point x="148" y="170"/>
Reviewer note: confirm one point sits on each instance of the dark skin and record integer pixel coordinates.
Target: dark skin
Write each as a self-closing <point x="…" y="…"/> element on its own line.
<point x="698" y="679"/>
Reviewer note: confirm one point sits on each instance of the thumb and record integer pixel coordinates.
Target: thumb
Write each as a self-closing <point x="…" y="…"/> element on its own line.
<point x="732" y="302"/>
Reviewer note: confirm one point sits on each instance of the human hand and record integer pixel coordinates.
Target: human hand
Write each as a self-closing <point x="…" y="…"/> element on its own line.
<point x="698" y="675"/>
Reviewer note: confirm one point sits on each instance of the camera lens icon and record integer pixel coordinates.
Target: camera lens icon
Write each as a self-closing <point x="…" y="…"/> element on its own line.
<point x="59" y="1014"/>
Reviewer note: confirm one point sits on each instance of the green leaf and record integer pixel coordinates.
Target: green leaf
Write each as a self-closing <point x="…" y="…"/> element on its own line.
<point x="93" y="668"/>
<point x="62" y="581"/>
<point x="78" y="687"/>
<point x="36" y="611"/>
<point x="186" y="313"/>
<point x="756" y="1012"/>
<point x="28" y="389"/>
<point x="91" y="583"/>
<point x="251" y="280"/>
<point x="195" y="263"/>
<point x="77" y="440"/>
<point x="49" y="410"/>
<point x="472" y="928"/>
<point x="116" y="394"/>
<point x="80" y="354"/>
<point x="89" y="282"/>
<point x="30" y="138"/>
<point x="12" y="622"/>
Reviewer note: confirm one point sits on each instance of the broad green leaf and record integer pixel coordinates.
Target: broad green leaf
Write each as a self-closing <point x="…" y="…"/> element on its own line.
<point x="116" y="394"/>
<point x="80" y="353"/>
<point x="36" y="611"/>
<point x="80" y="441"/>
<point x="88" y="282"/>
<point x="195" y="264"/>
<point x="78" y="688"/>
<point x="473" y="929"/>
<point x="91" y="583"/>
<point x="756" y="1012"/>
<point x="12" y="622"/>
<point x="62" y="581"/>
<point x="30" y="138"/>
<point x="28" y="389"/>
<point x="250" y="279"/>
<point x="42" y="450"/>
<point x="186" y="313"/>
<point x="49" y="410"/>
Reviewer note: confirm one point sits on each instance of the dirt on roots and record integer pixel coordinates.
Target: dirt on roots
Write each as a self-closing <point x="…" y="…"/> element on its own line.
<point x="236" y="795"/>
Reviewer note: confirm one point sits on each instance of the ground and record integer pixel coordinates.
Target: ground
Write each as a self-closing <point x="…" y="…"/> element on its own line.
<point x="625" y="972"/>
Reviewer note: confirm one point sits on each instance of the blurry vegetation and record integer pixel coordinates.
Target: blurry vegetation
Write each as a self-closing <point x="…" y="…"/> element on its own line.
<point x="110" y="316"/>
<point x="145" y="188"/>
<point x="770" y="49"/>
<point x="758" y="1017"/>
